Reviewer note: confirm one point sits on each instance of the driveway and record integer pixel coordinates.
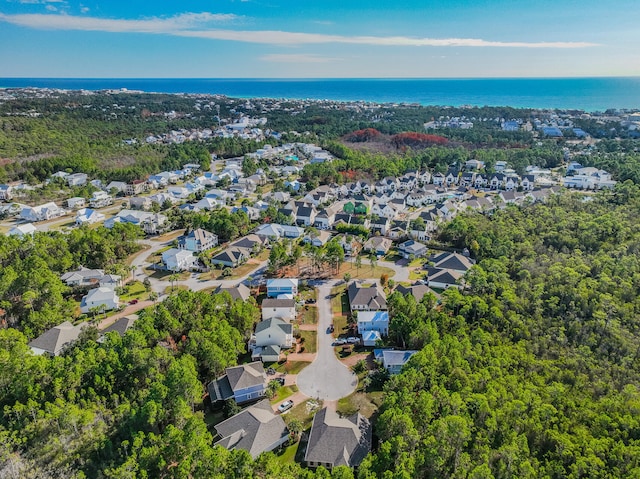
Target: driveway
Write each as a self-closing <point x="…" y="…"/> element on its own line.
<point x="326" y="378"/>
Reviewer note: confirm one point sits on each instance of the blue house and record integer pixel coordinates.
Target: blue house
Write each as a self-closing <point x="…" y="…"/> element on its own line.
<point x="276" y="287"/>
<point x="241" y="383"/>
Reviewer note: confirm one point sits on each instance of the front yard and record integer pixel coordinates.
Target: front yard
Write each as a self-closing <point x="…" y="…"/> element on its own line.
<point x="308" y="341"/>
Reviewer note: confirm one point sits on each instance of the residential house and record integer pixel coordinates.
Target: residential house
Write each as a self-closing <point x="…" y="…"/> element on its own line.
<point x="84" y="277"/>
<point x="384" y="210"/>
<point x="103" y="298"/>
<point x="443" y="278"/>
<point x="135" y="188"/>
<point x="274" y="231"/>
<point x="76" y="202"/>
<point x="250" y="243"/>
<point x="277" y="287"/>
<point x="76" y="179"/>
<point x="418" y="291"/>
<point x="377" y="245"/>
<point x="140" y="203"/>
<point x="451" y="177"/>
<point x="43" y="212"/>
<point x="230" y="257"/>
<point x="380" y="225"/>
<point x="6" y="192"/>
<point x="453" y="261"/>
<point x="256" y="429"/>
<point x="326" y="217"/>
<point x="22" y="230"/>
<point x="208" y="203"/>
<point x="247" y="382"/>
<point x="438" y="179"/>
<point x="270" y="338"/>
<point x="306" y="215"/>
<point x="412" y="248"/>
<point x="279" y="308"/>
<point x="497" y="181"/>
<point x="349" y="243"/>
<point x="176" y="259"/>
<point x="241" y="292"/>
<point x="366" y="298"/>
<point x="53" y="341"/>
<point x="511" y="183"/>
<point x="318" y="239"/>
<point x="338" y="441"/>
<point x="116" y="187"/>
<point x="480" y="181"/>
<point x="393" y="360"/>
<point x="511" y="197"/>
<point x="528" y="182"/>
<point x="121" y="326"/>
<point x="151" y="223"/>
<point x="467" y="178"/>
<point x="198" y="240"/>
<point x="372" y="325"/>
<point x="87" y="216"/>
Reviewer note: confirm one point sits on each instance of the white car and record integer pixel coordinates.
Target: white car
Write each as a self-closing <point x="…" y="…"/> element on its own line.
<point x="353" y="340"/>
<point x="285" y="406"/>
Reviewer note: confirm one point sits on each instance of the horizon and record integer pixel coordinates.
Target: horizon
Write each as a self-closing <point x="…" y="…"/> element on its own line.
<point x="330" y="39"/>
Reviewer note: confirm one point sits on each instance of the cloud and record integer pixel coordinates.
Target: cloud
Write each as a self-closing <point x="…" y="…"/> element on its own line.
<point x="296" y="58"/>
<point x="40" y="2"/>
<point x="194" y="25"/>
<point x="51" y="8"/>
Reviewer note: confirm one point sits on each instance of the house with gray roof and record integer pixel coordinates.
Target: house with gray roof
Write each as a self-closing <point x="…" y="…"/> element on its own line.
<point x="270" y="338"/>
<point x="366" y="298"/>
<point x="418" y="291"/>
<point x="393" y="360"/>
<point x="338" y="441"/>
<point x="102" y="298"/>
<point x="282" y="308"/>
<point x="256" y="430"/>
<point x="453" y="261"/>
<point x="241" y="291"/>
<point x="121" y="326"/>
<point x="53" y="341"/>
<point x="247" y="382"/>
<point x="198" y="240"/>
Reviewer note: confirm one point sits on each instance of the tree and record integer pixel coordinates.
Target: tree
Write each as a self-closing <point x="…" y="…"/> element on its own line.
<point x="358" y="263"/>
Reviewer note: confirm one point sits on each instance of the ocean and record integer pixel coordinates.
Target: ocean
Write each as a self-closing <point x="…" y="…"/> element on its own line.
<point x="588" y="94"/>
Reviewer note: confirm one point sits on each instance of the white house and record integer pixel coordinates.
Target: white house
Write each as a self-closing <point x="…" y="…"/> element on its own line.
<point x="87" y="216"/>
<point x="279" y="308"/>
<point x="22" y="230"/>
<point x="179" y="259"/>
<point x="198" y="240"/>
<point x="373" y="322"/>
<point x="393" y="360"/>
<point x="103" y="298"/>
<point x="76" y="202"/>
<point x="6" y="192"/>
<point x="100" y="199"/>
<point x="43" y="212"/>
<point x="77" y="179"/>
<point x="271" y="336"/>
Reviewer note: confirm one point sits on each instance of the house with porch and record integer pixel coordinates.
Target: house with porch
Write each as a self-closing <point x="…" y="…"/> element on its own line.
<point x="280" y="286"/>
<point x="366" y="298"/>
<point x="270" y="338"/>
<point x="247" y="382"/>
<point x="103" y="298"/>
<point x="372" y="325"/>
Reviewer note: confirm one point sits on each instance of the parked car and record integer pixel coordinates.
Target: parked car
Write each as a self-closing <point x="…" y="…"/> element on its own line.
<point x="285" y="406"/>
<point x="271" y="371"/>
<point x="339" y="342"/>
<point x="133" y="301"/>
<point x="280" y="380"/>
<point x="353" y="340"/>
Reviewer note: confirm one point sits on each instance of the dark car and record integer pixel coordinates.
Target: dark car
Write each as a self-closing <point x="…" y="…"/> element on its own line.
<point x="133" y="301"/>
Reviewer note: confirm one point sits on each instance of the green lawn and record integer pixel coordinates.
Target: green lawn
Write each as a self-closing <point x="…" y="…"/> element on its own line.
<point x="364" y="403"/>
<point x="339" y="325"/>
<point x="304" y="412"/>
<point x="284" y="392"/>
<point x="416" y="274"/>
<point x="309" y="315"/>
<point x="135" y="290"/>
<point x="307" y="293"/>
<point x="290" y="367"/>
<point x="288" y="454"/>
<point x="310" y="341"/>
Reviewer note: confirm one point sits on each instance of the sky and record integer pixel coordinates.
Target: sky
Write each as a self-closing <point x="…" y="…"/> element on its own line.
<point x="319" y="39"/>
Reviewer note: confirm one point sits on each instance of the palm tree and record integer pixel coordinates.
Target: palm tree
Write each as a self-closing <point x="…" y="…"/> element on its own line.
<point x="358" y="263"/>
<point x="173" y="278"/>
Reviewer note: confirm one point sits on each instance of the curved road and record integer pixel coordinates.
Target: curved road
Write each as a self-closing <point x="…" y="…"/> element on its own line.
<point x="326" y="378"/>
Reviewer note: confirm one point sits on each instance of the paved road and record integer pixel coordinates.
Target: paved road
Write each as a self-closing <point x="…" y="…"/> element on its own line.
<point x="326" y="378"/>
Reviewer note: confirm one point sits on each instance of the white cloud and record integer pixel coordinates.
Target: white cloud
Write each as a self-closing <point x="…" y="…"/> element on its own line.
<point x="296" y="58"/>
<point x="193" y="24"/>
<point x="51" y="8"/>
<point x="40" y="2"/>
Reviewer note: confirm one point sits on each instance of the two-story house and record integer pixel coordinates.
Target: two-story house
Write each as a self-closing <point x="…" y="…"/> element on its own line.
<point x="372" y="325"/>
<point x="247" y="382"/>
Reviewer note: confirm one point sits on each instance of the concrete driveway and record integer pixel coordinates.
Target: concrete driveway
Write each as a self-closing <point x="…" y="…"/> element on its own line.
<point x="326" y="378"/>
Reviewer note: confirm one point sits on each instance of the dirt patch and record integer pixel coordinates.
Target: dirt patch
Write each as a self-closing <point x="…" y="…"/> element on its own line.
<point x="352" y="359"/>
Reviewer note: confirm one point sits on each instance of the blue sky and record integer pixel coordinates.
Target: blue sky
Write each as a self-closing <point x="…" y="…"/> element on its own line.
<point x="316" y="39"/>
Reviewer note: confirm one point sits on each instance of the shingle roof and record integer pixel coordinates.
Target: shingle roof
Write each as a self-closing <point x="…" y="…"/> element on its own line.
<point x="454" y="261"/>
<point x="338" y="441"/>
<point x="246" y="375"/>
<point x="241" y="291"/>
<point x="287" y="328"/>
<point x="53" y="340"/>
<point x="256" y="429"/>
<point x="278" y="303"/>
<point x="370" y="297"/>
<point x="122" y="324"/>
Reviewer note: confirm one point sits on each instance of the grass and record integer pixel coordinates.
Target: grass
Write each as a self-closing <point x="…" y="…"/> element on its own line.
<point x="135" y="290"/>
<point x="284" y="392"/>
<point x="310" y="342"/>
<point x="416" y="274"/>
<point x="340" y="325"/>
<point x="364" y="403"/>
<point x="177" y="287"/>
<point x="164" y="275"/>
<point x="290" y="367"/>
<point x="309" y="315"/>
<point x="365" y="271"/>
<point x="308" y="294"/>
<point x="339" y="300"/>
<point x="168" y="236"/>
<point x="288" y="454"/>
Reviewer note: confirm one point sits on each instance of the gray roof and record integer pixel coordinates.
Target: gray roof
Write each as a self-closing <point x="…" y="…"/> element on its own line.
<point x="122" y="324"/>
<point x="246" y="375"/>
<point x="53" y="340"/>
<point x="417" y="291"/>
<point x="338" y="441"/>
<point x="278" y="303"/>
<point x="287" y="328"/>
<point x="445" y="276"/>
<point x="240" y="291"/>
<point x="454" y="261"/>
<point x="256" y="429"/>
<point x="371" y="296"/>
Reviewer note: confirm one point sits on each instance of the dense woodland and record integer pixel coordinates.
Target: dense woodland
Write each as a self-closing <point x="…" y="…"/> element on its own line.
<point x="532" y="371"/>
